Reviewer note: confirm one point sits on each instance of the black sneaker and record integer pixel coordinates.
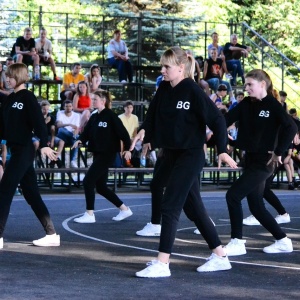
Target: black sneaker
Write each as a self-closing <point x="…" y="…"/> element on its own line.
<point x="291" y="186"/>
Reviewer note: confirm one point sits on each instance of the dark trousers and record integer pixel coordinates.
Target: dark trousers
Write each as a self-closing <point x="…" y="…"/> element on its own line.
<point x="178" y="172"/>
<point x="97" y="176"/>
<point x="20" y="170"/>
<point x="235" y="67"/>
<point x="251" y="184"/>
<point x="124" y="68"/>
<point x="271" y="198"/>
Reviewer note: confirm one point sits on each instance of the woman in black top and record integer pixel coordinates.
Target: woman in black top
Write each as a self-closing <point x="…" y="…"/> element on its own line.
<point x="103" y="133"/>
<point x="260" y="116"/>
<point x="176" y="121"/>
<point x="20" y="117"/>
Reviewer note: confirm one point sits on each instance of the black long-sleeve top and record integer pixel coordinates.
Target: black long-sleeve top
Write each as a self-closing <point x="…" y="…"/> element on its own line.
<point x="20" y="116"/>
<point x="104" y="131"/>
<point x="177" y="117"/>
<point x="259" y="124"/>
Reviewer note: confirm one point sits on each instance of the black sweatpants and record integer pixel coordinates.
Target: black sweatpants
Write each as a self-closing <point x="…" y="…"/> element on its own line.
<point x="271" y="198"/>
<point x="20" y="170"/>
<point x="178" y="172"/>
<point x="97" y="176"/>
<point x="251" y="184"/>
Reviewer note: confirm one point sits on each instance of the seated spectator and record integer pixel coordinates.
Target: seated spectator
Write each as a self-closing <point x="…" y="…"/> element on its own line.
<point x="159" y="79"/>
<point x="233" y="52"/>
<point x="70" y="82"/>
<point x="215" y="44"/>
<point x="198" y="74"/>
<point x="283" y="96"/>
<point x="217" y="97"/>
<point x="43" y="47"/>
<point x="131" y="123"/>
<point x="118" y="57"/>
<point x="67" y="122"/>
<point x="213" y="68"/>
<point x="4" y="85"/>
<point x="93" y="78"/>
<point x="293" y="113"/>
<point x="82" y="103"/>
<point x="239" y="97"/>
<point x="25" y="51"/>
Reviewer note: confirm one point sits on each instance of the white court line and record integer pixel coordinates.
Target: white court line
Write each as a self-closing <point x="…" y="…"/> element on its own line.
<point x="67" y="228"/>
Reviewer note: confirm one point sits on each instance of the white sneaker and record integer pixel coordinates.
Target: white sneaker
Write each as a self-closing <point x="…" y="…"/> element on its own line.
<point x="250" y="221"/>
<point x="85" y="218"/>
<point x="155" y="269"/>
<point x="280" y="246"/>
<point x="280" y="219"/>
<point x="52" y="240"/>
<point x="215" y="263"/>
<point x="150" y="230"/>
<point x="235" y="247"/>
<point x="73" y="164"/>
<point x="196" y="231"/>
<point x="123" y="81"/>
<point x="123" y="214"/>
<point x="1" y="243"/>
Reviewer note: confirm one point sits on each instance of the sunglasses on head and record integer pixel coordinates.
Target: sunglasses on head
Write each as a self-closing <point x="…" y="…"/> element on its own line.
<point x="222" y="90"/>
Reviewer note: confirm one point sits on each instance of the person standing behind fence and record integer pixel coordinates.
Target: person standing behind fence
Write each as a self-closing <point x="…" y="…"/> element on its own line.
<point x="43" y="48"/>
<point x="20" y="116"/>
<point x="117" y="55"/>
<point x="260" y="117"/>
<point x="103" y="125"/>
<point x="176" y="121"/>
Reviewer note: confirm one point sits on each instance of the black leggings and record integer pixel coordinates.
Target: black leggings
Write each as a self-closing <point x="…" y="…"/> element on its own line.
<point x="178" y="172"/>
<point x="20" y="170"/>
<point x="251" y="184"/>
<point x="97" y="176"/>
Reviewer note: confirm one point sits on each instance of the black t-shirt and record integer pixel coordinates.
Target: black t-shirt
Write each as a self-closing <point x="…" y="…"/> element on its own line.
<point x="213" y="68"/>
<point x="229" y="53"/>
<point x="25" y="45"/>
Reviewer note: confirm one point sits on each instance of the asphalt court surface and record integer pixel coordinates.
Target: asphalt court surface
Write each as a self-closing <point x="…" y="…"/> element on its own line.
<point x="98" y="261"/>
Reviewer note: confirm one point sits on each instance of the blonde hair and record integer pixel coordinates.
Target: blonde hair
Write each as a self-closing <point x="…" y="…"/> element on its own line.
<point x="261" y="75"/>
<point x="19" y="72"/>
<point x="176" y="56"/>
<point x="106" y="95"/>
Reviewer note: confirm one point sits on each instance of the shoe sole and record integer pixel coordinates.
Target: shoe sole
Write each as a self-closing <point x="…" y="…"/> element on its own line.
<point x="141" y="276"/>
<point x="223" y="269"/>
<point x="283" y="222"/>
<point x="251" y="224"/>
<point x="80" y="222"/>
<point x="49" y="245"/>
<point x="279" y="251"/>
<point x="153" y="234"/>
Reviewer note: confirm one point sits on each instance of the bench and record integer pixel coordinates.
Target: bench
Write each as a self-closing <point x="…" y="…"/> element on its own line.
<point x="45" y="172"/>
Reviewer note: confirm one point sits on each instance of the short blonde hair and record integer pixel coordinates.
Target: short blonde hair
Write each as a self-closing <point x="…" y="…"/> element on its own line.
<point x="19" y="72"/>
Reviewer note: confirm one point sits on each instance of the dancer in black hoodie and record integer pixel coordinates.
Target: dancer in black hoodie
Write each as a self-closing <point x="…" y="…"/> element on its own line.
<point x="176" y="121"/>
<point x="260" y="117"/>
<point x="103" y="132"/>
<point x="20" y="116"/>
